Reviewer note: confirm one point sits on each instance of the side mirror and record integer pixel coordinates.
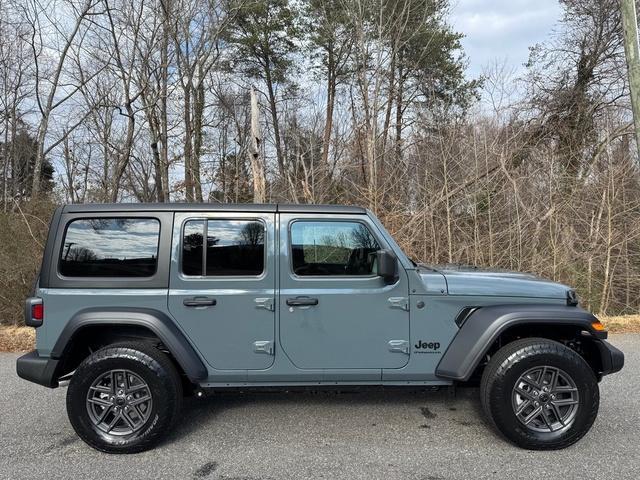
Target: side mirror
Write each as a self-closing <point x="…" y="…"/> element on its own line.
<point x="387" y="266"/>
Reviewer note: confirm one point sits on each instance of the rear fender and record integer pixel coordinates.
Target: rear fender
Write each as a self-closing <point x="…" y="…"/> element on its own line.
<point x="157" y="322"/>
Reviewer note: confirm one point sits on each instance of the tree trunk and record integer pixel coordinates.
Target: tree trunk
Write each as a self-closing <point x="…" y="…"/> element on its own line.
<point x="188" y="169"/>
<point x="328" y="123"/>
<point x="164" y="80"/>
<point x="254" y="151"/>
<point x="274" y="118"/>
<point x="123" y="156"/>
<point x="399" y="109"/>
<point x="198" y="111"/>
<point x="390" y="98"/>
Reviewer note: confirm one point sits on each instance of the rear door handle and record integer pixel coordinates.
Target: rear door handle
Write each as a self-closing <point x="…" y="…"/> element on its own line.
<point x="199" y="302"/>
<point x="302" y="302"/>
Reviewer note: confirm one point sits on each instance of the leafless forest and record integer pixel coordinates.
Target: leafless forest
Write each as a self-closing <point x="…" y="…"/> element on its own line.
<point x="360" y="101"/>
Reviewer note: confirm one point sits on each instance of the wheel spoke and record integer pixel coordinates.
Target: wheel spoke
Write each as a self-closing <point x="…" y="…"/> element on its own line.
<point x="565" y="402"/>
<point x="135" y="388"/>
<point x="523" y="406"/>
<point x="100" y="388"/>
<point x="556" y="412"/>
<point x="531" y="382"/>
<point x="543" y="374"/>
<point x="114" y="422"/>
<point x="545" y="417"/>
<point x="140" y="400"/>
<point x="565" y="390"/>
<point x="554" y="379"/>
<point x="99" y="401"/>
<point x="127" y="419"/>
<point x="140" y="414"/>
<point x="121" y="380"/>
<point x="526" y="395"/>
<point x="104" y="414"/>
<point x="532" y="415"/>
<point x="114" y="381"/>
<point x="127" y="385"/>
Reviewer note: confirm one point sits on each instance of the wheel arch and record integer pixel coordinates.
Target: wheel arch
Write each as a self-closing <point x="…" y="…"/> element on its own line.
<point x="102" y="326"/>
<point x="486" y="327"/>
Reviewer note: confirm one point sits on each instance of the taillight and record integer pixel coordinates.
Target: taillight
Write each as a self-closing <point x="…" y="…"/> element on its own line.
<point x="37" y="311"/>
<point x="34" y="312"/>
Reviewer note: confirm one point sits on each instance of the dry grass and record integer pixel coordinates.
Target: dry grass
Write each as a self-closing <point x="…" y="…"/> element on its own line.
<point x="622" y="324"/>
<point x="20" y="339"/>
<point x="16" y="339"/>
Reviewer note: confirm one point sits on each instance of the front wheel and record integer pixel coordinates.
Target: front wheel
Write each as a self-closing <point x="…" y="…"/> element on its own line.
<point x="123" y="398"/>
<point x="540" y="394"/>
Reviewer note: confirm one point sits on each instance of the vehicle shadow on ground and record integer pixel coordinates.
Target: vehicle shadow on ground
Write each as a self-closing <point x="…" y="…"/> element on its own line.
<point x="462" y="408"/>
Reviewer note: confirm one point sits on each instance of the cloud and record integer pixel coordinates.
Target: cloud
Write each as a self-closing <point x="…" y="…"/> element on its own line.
<point x="502" y="29"/>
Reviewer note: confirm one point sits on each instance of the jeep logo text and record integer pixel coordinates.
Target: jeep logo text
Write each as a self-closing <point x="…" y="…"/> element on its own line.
<point x="427" y="345"/>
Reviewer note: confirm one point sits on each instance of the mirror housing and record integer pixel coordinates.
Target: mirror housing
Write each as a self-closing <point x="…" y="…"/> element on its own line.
<point x="387" y="266"/>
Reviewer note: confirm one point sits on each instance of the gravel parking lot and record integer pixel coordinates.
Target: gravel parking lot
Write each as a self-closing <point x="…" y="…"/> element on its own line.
<point x="383" y="434"/>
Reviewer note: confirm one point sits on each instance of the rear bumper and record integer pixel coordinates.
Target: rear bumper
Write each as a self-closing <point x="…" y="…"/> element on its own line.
<point x="612" y="358"/>
<point x="37" y="369"/>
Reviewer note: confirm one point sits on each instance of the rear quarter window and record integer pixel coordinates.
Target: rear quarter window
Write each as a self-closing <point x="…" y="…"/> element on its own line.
<point x="110" y="247"/>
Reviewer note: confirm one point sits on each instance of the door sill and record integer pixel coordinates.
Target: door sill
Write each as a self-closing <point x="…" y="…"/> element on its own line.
<point x="287" y="385"/>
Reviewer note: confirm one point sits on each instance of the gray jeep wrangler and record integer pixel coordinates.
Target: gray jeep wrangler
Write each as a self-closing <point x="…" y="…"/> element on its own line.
<point x="137" y="305"/>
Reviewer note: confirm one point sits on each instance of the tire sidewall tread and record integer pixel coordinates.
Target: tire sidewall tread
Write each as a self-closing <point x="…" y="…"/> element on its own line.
<point x="154" y="367"/>
<point x="506" y="366"/>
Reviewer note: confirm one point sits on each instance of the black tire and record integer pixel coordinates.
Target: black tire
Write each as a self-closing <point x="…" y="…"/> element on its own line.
<point x="503" y="402"/>
<point x="156" y="378"/>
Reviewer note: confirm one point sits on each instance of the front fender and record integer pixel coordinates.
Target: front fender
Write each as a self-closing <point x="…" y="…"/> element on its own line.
<point x="484" y="325"/>
<point x="156" y="321"/>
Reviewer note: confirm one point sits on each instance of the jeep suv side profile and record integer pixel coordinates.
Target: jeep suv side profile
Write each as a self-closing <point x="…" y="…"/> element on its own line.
<point x="138" y="305"/>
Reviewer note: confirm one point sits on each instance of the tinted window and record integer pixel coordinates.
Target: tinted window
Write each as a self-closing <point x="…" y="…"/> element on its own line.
<point x="110" y="247"/>
<point x="233" y="247"/>
<point x="332" y="248"/>
<point x="193" y="236"/>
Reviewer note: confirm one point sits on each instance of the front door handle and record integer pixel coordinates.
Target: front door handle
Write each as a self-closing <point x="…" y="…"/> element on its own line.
<point x="199" y="302"/>
<point x="302" y="302"/>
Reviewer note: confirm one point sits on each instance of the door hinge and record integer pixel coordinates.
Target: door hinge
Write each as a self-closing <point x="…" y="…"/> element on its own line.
<point x="266" y="303"/>
<point x="263" y="346"/>
<point x="399" y="302"/>
<point x="400" y="346"/>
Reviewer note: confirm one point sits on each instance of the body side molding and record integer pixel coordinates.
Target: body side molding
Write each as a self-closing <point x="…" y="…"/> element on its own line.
<point x="158" y="322"/>
<point x="484" y="325"/>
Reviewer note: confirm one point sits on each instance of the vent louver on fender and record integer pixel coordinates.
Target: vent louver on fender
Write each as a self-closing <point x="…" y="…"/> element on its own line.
<point x="464" y="314"/>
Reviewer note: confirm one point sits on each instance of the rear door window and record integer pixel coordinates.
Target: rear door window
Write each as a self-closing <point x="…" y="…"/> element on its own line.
<point x="232" y="248"/>
<point x="110" y="247"/>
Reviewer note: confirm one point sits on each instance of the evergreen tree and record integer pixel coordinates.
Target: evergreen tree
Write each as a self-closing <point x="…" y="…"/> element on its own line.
<point x="264" y="34"/>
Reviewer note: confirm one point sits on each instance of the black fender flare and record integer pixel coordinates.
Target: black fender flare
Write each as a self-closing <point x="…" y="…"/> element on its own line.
<point x="156" y="321"/>
<point x="485" y="324"/>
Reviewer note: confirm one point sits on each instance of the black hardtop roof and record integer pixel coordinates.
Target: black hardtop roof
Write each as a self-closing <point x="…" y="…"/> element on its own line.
<point x="211" y="207"/>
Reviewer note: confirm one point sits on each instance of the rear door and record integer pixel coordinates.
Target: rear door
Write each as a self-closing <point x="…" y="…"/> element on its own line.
<point x="222" y="288"/>
<point x="335" y="312"/>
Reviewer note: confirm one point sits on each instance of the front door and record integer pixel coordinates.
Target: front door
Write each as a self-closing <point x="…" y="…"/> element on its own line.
<point x="222" y="288"/>
<point x="335" y="312"/>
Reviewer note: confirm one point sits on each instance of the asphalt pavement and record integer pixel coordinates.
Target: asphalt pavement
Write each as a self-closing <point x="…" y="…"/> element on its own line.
<point x="367" y="435"/>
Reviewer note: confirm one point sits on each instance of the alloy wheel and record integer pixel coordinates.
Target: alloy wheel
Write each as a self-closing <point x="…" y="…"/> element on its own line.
<point x="119" y="403"/>
<point x="545" y="399"/>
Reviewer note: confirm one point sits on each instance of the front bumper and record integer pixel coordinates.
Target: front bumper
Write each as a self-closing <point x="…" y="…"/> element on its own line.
<point x="37" y="369"/>
<point x="612" y="358"/>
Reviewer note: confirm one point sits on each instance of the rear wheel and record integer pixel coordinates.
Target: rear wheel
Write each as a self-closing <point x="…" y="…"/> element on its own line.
<point x="540" y="394"/>
<point x="123" y="398"/>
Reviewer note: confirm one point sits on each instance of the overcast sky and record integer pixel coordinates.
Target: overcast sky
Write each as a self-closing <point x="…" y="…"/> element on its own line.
<point x="502" y="29"/>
